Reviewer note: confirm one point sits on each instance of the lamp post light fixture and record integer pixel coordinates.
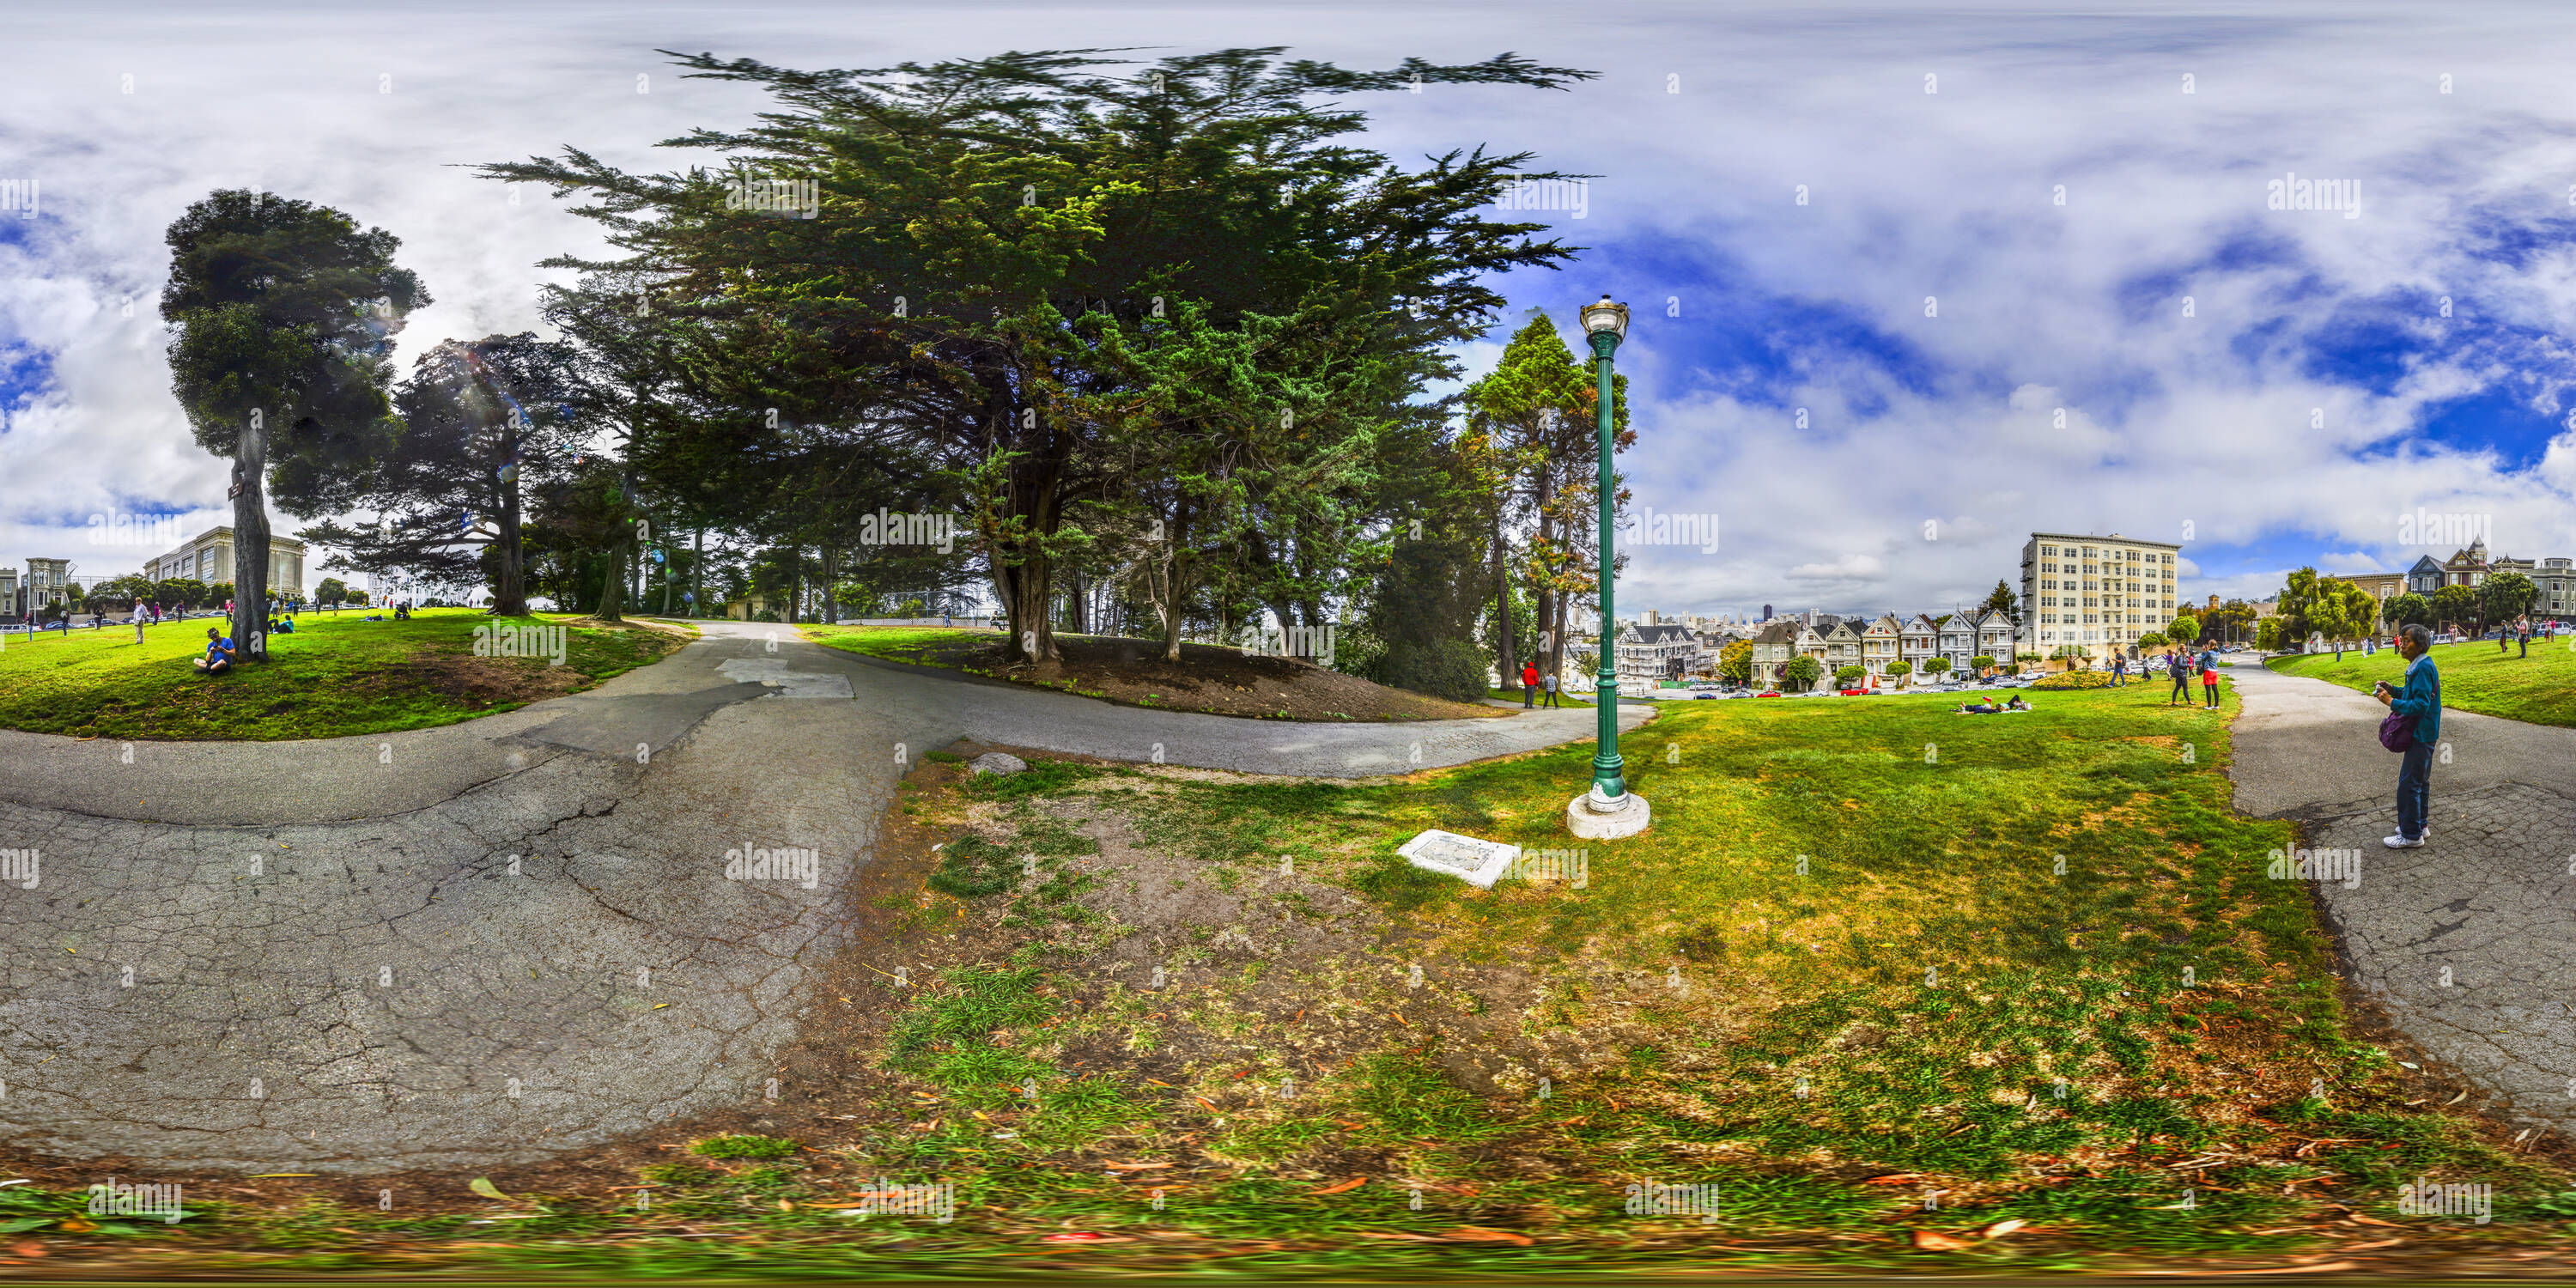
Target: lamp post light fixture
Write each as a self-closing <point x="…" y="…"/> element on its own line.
<point x="1609" y="810"/>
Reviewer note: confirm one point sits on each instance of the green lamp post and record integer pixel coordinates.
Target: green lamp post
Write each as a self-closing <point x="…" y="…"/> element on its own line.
<point x="1609" y="810"/>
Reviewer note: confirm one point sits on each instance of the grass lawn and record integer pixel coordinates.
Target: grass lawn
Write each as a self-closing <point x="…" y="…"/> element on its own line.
<point x="1514" y="696"/>
<point x="338" y="674"/>
<point x="1844" y="980"/>
<point x="918" y="645"/>
<point x="2540" y="688"/>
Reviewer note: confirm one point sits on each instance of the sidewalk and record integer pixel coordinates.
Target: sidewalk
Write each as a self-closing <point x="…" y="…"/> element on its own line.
<point x="2464" y="943"/>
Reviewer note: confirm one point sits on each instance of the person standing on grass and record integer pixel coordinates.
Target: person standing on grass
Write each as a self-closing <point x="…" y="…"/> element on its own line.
<point x="2421" y="701"/>
<point x="2181" y="674"/>
<point x="1548" y="684"/>
<point x="2209" y="685"/>
<point x="2522" y="632"/>
<point x="1529" y="685"/>
<point x="2119" y="670"/>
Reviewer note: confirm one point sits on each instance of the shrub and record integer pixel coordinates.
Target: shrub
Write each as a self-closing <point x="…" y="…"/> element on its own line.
<point x="1451" y="669"/>
<point x="1982" y="661"/>
<point x="1849" y="674"/>
<point x="2074" y="680"/>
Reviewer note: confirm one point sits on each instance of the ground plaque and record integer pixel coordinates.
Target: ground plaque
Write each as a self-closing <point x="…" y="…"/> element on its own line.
<point x="1478" y="863"/>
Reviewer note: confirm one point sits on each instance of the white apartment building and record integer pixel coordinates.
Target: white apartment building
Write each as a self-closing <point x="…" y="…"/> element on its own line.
<point x="2095" y="593"/>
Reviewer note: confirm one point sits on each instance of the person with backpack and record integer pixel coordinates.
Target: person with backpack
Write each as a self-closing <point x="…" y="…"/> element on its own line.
<point x="2181" y="675"/>
<point x="2413" y="727"/>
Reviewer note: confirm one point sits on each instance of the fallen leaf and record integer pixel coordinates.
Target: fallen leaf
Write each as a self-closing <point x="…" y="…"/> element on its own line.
<point x="2325" y="1268"/>
<point x="1935" y="1241"/>
<point x="1898" y="1178"/>
<point x="1133" y="1167"/>
<point x="487" y="1189"/>
<point x="2359" y="1219"/>
<point x="79" y="1226"/>
<point x="1479" y="1234"/>
<point x="2365" y="1247"/>
<point x="1340" y="1187"/>
<point x="2001" y="1228"/>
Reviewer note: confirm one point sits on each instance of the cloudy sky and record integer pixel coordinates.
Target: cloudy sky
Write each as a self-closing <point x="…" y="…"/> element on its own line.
<point x="1910" y="281"/>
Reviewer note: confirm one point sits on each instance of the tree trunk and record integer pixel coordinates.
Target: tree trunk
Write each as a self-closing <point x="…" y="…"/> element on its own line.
<point x="510" y="584"/>
<point x="250" y="543"/>
<point x="697" y="579"/>
<point x="612" y="595"/>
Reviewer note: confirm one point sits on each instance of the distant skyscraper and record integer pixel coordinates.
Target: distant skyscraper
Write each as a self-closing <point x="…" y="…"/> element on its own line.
<point x="1766" y="612"/>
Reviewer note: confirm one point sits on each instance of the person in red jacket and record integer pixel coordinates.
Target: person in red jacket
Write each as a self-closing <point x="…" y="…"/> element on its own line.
<point x="1529" y="684"/>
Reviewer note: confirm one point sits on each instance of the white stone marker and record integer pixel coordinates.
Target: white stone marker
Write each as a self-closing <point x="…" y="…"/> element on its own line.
<point x="1478" y="863"/>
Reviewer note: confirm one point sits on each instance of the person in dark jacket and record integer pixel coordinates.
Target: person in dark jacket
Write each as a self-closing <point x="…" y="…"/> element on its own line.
<point x="2421" y="699"/>
<point x="2180" y="671"/>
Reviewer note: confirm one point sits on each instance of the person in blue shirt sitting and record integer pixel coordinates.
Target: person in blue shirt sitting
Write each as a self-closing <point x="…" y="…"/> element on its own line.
<point x="219" y="653"/>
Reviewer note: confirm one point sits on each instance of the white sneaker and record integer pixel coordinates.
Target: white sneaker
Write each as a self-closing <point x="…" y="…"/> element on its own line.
<point x="2401" y="843"/>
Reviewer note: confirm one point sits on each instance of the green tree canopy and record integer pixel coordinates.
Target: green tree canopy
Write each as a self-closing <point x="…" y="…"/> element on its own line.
<point x="1019" y="268"/>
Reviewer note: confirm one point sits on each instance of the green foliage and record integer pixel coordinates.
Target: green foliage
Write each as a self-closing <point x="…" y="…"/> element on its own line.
<point x="2183" y="630"/>
<point x="1936" y="665"/>
<point x="2085" y="679"/>
<point x="1982" y="661"/>
<point x="1846" y="676"/>
<point x="1735" y="661"/>
<point x="2153" y="640"/>
<point x="743" y="1147"/>
<point x="1803" y="672"/>
<point x="2506" y="595"/>
<point x="2407" y="609"/>
<point x="1451" y="669"/>
<point x="2001" y="600"/>
<point x="1900" y="667"/>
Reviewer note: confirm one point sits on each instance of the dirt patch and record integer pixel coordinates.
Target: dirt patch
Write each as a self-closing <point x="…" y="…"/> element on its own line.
<point x="474" y="682"/>
<point x="1217" y="681"/>
<point x="629" y="624"/>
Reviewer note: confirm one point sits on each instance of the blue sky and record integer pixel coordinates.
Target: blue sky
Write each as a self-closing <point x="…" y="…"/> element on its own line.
<point x="2121" y="336"/>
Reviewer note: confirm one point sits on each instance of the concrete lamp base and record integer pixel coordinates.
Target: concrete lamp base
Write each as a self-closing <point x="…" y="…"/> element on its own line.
<point x="1596" y="817"/>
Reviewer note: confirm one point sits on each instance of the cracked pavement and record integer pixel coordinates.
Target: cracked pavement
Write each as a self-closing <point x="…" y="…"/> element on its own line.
<point x="2464" y="943"/>
<point x="499" y="941"/>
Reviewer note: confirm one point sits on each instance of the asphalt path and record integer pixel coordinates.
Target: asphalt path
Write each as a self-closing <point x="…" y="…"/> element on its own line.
<point x="498" y="941"/>
<point x="2466" y="943"/>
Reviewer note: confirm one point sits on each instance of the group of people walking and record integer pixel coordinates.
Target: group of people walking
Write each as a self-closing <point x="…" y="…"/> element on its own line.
<point x="2180" y="665"/>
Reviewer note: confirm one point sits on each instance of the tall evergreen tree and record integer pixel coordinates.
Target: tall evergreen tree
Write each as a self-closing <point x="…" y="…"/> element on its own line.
<point x="283" y="314"/>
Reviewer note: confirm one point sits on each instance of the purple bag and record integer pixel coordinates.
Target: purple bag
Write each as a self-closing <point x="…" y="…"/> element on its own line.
<point x="2397" y="733"/>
